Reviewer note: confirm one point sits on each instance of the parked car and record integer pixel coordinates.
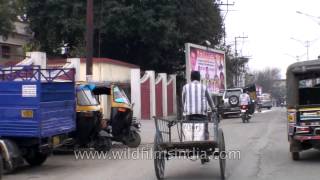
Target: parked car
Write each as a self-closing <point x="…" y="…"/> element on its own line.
<point x="265" y="101"/>
<point x="231" y="102"/>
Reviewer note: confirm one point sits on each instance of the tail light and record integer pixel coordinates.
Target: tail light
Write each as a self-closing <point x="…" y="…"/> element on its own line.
<point x="243" y="107"/>
<point x="302" y="129"/>
<point x="122" y="109"/>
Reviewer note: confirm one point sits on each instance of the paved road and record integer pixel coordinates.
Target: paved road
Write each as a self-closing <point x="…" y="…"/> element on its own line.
<point x="263" y="146"/>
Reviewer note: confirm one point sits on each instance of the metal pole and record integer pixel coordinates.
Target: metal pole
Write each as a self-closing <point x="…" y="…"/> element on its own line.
<point x="89" y="40"/>
<point x="236" y="58"/>
<point x="307" y="45"/>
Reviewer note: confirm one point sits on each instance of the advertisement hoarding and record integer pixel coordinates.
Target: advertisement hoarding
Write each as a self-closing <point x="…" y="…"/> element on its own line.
<point x="210" y="63"/>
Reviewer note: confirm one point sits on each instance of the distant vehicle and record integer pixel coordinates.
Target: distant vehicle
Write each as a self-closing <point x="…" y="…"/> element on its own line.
<point x="265" y="101"/>
<point x="231" y="102"/>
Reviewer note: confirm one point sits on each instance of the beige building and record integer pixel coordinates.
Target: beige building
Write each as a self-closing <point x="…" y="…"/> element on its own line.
<point x="11" y="48"/>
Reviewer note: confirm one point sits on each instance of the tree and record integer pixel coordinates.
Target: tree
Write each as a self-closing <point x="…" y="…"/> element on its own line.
<point x="9" y="10"/>
<point x="56" y="22"/>
<point x="270" y="81"/>
<point x="149" y="33"/>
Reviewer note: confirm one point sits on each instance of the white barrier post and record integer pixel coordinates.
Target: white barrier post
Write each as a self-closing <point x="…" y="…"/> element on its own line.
<point x="164" y="94"/>
<point x="152" y="93"/>
<point x="76" y="65"/>
<point x="136" y="92"/>
<point x="174" y="81"/>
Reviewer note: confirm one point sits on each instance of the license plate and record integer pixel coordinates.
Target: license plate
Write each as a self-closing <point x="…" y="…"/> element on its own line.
<point x="243" y="111"/>
<point x="56" y="140"/>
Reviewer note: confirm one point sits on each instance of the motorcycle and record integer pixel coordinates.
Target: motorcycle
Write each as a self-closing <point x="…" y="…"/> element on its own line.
<point x="245" y="115"/>
<point x="121" y="125"/>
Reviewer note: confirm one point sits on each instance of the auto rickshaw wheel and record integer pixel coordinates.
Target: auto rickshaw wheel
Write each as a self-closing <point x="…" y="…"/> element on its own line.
<point x="295" y="156"/>
<point x="159" y="158"/>
<point x="36" y="158"/>
<point x="133" y="140"/>
<point x="103" y="144"/>
<point x="222" y="154"/>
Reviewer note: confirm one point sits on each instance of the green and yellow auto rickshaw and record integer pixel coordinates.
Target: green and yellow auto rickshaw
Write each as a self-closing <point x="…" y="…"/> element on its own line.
<point x="303" y="106"/>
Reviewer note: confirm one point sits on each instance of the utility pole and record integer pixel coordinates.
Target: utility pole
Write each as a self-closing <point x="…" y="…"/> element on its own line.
<point x="235" y="44"/>
<point x="236" y="58"/>
<point x="89" y="40"/>
<point x="306" y="44"/>
<point x="220" y="3"/>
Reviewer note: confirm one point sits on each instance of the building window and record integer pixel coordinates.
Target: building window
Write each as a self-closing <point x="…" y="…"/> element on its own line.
<point x="5" y="51"/>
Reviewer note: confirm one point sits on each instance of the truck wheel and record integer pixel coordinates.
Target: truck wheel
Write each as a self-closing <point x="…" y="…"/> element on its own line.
<point x="36" y="158"/>
<point x="1" y="167"/>
<point x="295" y="156"/>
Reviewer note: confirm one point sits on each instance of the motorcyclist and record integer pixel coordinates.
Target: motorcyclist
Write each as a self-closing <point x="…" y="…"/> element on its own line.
<point x="245" y="100"/>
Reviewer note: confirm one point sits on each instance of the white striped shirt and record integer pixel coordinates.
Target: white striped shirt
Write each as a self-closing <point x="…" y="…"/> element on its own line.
<point x="195" y="98"/>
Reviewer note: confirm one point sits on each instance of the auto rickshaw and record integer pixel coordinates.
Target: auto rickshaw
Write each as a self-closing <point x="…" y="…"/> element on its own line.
<point x="90" y="126"/>
<point x="303" y="106"/>
<point x="121" y="125"/>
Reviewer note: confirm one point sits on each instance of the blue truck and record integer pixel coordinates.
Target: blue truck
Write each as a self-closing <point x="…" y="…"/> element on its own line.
<point x="37" y="109"/>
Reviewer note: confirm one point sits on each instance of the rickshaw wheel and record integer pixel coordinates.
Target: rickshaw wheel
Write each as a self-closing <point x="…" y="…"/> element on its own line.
<point x="159" y="158"/>
<point x="222" y="154"/>
<point x="295" y="156"/>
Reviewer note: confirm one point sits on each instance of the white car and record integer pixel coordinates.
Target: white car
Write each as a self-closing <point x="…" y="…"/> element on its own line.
<point x="265" y="101"/>
<point x="231" y="102"/>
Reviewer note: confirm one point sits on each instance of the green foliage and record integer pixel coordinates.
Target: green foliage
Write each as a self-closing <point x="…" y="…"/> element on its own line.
<point x="270" y="81"/>
<point x="149" y="33"/>
<point x="55" y="22"/>
<point x="9" y="11"/>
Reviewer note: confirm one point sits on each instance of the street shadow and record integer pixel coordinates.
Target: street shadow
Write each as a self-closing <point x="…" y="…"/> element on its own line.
<point x="310" y="156"/>
<point x="46" y="168"/>
<point x="190" y="175"/>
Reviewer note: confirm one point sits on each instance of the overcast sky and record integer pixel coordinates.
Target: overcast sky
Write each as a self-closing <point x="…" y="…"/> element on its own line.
<point x="270" y="25"/>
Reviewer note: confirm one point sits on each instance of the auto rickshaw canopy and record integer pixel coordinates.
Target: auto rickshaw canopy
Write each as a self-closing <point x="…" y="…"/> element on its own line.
<point x="295" y="73"/>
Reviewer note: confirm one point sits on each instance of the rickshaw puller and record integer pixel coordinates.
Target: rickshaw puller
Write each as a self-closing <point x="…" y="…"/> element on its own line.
<point x="195" y="97"/>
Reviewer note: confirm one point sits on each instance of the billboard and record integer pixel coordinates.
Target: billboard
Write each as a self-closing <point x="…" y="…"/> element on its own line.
<point x="210" y="63"/>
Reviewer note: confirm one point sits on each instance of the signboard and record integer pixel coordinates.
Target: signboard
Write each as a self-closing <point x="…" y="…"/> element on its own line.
<point x="29" y="90"/>
<point x="259" y="90"/>
<point x="210" y="63"/>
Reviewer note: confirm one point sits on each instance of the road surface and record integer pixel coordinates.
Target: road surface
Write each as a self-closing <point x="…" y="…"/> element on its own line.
<point x="262" y="143"/>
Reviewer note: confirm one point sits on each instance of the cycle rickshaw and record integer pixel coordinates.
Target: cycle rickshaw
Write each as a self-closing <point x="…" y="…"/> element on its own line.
<point x="170" y="141"/>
